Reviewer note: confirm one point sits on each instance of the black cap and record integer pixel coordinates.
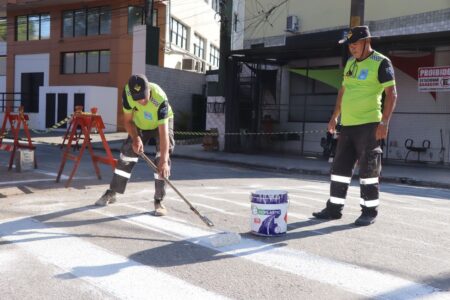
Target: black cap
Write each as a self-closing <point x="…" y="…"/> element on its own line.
<point x="355" y="34"/>
<point x="137" y="85"/>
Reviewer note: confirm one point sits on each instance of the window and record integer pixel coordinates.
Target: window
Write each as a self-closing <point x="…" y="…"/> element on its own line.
<point x="93" y="62"/>
<point x="136" y="16"/>
<point x="93" y="21"/>
<point x="33" y="27"/>
<point x="85" y="62"/>
<point x="213" y="55"/>
<point x="3" y="30"/>
<point x="80" y="62"/>
<point x="86" y="22"/>
<point x="68" y="63"/>
<point x="104" y="61"/>
<point x="2" y="65"/>
<point x="235" y="22"/>
<point x="178" y="34"/>
<point x="215" y="4"/>
<point x="199" y="46"/>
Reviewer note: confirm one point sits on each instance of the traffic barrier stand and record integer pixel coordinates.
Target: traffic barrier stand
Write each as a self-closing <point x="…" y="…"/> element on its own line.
<point x="77" y="137"/>
<point x="16" y="122"/>
<point x="87" y="122"/>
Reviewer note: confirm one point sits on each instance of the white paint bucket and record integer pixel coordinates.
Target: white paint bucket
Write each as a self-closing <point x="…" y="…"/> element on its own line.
<point x="269" y="212"/>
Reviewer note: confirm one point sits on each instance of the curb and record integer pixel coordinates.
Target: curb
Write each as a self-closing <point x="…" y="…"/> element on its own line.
<point x="397" y="180"/>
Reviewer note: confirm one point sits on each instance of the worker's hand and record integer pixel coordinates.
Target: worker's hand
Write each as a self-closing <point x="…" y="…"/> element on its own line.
<point x="332" y="126"/>
<point x="163" y="169"/>
<point x="382" y="131"/>
<point x="138" y="146"/>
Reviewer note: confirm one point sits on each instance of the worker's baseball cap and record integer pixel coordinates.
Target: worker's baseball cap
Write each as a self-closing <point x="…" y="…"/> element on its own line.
<point x="137" y="84"/>
<point x="355" y="34"/>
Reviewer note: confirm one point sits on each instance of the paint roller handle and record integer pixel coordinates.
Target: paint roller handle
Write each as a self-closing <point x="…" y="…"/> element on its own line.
<point x="155" y="168"/>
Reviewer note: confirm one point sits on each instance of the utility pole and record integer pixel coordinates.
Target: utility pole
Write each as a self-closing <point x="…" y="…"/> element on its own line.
<point x="226" y="10"/>
<point x="356" y="19"/>
<point x="227" y="74"/>
<point x="357" y="13"/>
<point x="152" y="36"/>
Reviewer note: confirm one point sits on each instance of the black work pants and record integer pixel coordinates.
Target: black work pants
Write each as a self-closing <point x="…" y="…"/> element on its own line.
<point x="357" y="144"/>
<point x="128" y="159"/>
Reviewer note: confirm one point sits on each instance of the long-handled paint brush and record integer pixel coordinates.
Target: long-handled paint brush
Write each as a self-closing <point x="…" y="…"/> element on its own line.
<point x="217" y="240"/>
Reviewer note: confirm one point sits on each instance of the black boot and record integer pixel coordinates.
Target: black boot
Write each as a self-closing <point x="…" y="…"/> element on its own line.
<point x="330" y="212"/>
<point x="367" y="217"/>
<point x="108" y="197"/>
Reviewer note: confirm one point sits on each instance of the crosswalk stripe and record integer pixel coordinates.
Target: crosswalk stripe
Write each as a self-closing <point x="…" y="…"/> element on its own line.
<point x="115" y="274"/>
<point x="345" y="276"/>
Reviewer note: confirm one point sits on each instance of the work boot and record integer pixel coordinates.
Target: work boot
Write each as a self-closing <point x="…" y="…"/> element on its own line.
<point x="330" y="212"/>
<point x="327" y="214"/>
<point x="108" y="197"/>
<point x="160" y="209"/>
<point x="367" y="217"/>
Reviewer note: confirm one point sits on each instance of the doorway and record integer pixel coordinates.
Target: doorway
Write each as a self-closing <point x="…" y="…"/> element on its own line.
<point x="30" y="83"/>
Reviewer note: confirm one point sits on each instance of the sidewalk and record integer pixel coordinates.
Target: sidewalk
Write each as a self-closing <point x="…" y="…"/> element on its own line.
<point x="412" y="174"/>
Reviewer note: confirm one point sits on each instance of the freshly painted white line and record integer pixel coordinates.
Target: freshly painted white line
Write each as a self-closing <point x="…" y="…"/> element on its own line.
<point x="122" y="277"/>
<point x="205" y="206"/>
<point x="50" y="173"/>
<point x="63" y="177"/>
<point x="342" y="275"/>
<point x="247" y="205"/>
<point x="18" y="182"/>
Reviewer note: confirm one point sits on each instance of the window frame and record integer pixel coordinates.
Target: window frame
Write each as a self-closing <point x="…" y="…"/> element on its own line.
<point x="27" y="25"/>
<point x="214" y="55"/>
<point x="200" y="46"/>
<point x="101" y="11"/>
<point x="73" y="67"/>
<point x="183" y="37"/>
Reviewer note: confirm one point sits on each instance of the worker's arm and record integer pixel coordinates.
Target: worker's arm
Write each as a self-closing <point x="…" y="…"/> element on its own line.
<point x="131" y="129"/>
<point x="337" y="111"/>
<point x="389" y="106"/>
<point x="163" y="165"/>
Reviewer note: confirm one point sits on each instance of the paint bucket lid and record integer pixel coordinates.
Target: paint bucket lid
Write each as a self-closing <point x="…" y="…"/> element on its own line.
<point x="269" y="197"/>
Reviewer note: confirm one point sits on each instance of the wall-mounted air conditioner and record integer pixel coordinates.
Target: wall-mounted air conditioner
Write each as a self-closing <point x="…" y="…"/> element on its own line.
<point x="292" y="24"/>
<point x="188" y="64"/>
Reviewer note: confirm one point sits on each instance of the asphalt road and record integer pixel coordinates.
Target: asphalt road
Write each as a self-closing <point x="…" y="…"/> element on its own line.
<point x="54" y="244"/>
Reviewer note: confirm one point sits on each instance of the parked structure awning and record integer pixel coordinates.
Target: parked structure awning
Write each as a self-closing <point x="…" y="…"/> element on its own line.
<point x="332" y="77"/>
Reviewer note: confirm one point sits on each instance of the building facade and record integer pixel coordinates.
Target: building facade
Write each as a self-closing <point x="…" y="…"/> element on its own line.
<point x="290" y="68"/>
<point x="90" y="48"/>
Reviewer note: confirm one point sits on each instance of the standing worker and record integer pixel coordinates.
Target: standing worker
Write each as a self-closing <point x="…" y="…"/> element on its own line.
<point x="367" y="75"/>
<point x="147" y="114"/>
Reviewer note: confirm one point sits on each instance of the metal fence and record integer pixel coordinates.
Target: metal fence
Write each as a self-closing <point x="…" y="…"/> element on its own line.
<point x="12" y="100"/>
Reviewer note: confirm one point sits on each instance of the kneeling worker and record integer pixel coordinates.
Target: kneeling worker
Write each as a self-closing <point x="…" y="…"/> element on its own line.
<point x="147" y="114"/>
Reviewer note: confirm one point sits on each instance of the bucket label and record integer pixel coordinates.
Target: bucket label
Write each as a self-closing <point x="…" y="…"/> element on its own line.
<point x="269" y="219"/>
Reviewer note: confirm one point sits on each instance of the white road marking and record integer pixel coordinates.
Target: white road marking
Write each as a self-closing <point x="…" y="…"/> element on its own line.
<point x="342" y="275"/>
<point x="7" y="260"/>
<point x="18" y="182"/>
<point x="205" y="206"/>
<point x="64" y="177"/>
<point x="119" y="276"/>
